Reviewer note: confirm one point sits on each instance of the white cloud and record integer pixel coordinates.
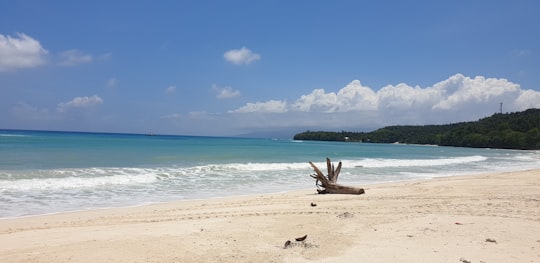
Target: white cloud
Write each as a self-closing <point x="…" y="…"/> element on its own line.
<point x="352" y="97"/>
<point x="460" y="91"/>
<point x="19" y="52"/>
<point x="272" y="106"/>
<point x="527" y="99"/>
<point x="458" y="98"/>
<point x="241" y="56"/>
<point x="170" y="90"/>
<point x="225" y="92"/>
<point x="318" y="100"/>
<point x="80" y="102"/>
<point x="74" y="57"/>
<point x="356" y="97"/>
<point x="404" y="97"/>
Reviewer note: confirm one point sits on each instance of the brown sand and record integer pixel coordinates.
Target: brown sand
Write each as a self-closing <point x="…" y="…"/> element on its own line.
<point x="482" y="218"/>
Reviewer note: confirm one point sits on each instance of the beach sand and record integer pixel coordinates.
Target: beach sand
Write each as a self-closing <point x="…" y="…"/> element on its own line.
<point x="480" y="218"/>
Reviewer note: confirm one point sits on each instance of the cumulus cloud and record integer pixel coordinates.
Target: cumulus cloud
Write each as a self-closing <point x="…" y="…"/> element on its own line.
<point x="241" y="56"/>
<point x="80" y="102"/>
<point x="74" y="57"/>
<point x="20" y="51"/>
<point x="225" y="92"/>
<point x="460" y="91"/>
<point x="352" y="97"/>
<point x="527" y="99"/>
<point x="458" y="98"/>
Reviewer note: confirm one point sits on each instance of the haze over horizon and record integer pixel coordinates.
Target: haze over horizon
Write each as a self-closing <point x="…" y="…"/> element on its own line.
<point x="233" y="68"/>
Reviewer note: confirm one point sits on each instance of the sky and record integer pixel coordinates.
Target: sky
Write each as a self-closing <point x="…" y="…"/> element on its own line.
<point x="263" y="68"/>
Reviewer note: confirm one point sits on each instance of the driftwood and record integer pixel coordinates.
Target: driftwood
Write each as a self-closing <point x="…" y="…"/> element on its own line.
<point x="328" y="184"/>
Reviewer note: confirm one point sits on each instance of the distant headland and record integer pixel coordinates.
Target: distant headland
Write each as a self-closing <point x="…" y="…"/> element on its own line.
<point x="517" y="130"/>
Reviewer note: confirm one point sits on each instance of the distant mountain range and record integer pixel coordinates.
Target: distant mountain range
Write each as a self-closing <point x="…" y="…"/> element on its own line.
<point x="518" y="130"/>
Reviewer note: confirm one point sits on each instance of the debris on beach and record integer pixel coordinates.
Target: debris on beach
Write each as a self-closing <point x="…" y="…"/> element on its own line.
<point x="313" y="204"/>
<point x="301" y="238"/>
<point x="491" y="240"/>
<point x="287" y="244"/>
<point x="299" y="242"/>
<point x="328" y="184"/>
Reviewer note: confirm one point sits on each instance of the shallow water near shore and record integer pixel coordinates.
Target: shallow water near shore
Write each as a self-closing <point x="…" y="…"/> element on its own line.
<point x="50" y="172"/>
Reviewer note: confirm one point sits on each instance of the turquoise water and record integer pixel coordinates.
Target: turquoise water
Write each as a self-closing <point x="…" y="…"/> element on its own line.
<point x="48" y="172"/>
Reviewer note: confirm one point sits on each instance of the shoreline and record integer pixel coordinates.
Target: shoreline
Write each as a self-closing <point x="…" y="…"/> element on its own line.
<point x="463" y="174"/>
<point x="439" y="219"/>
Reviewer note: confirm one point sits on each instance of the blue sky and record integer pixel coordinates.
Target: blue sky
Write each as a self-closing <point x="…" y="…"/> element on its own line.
<point x="270" y="68"/>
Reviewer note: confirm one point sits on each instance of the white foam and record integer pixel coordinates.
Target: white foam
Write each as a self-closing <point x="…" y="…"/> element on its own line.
<point x="13" y="135"/>
<point x="251" y="167"/>
<point x="302" y="166"/>
<point x="97" y="177"/>
<point x="382" y="163"/>
<point x="76" y="180"/>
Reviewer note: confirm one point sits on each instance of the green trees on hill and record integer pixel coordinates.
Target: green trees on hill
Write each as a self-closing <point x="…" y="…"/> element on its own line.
<point x="513" y="131"/>
<point x="519" y="130"/>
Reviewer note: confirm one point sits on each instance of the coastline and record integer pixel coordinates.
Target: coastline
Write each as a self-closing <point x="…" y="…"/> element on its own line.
<point x="491" y="217"/>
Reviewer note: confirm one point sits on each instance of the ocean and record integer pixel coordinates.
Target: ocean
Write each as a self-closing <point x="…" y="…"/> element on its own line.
<point x="43" y="172"/>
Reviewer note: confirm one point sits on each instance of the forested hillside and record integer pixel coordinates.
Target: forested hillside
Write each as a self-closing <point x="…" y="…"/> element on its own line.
<point x="519" y="130"/>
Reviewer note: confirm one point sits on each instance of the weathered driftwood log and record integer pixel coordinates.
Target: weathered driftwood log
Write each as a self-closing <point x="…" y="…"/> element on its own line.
<point x="328" y="184"/>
